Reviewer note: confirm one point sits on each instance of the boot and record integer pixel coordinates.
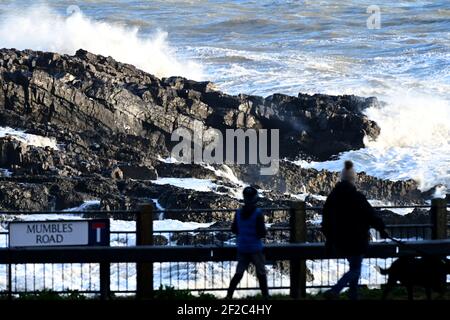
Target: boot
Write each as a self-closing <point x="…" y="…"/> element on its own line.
<point x="233" y="284"/>
<point x="263" y="286"/>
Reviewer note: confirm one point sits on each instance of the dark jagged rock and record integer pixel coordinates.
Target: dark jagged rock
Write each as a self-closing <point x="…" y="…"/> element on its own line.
<point x="138" y="172"/>
<point x="11" y="152"/>
<point x="189" y="199"/>
<point x="294" y="179"/>
<point x="113" y="122"/>
<point x="24" y="159"/>
<point x="100" y="98"/>
<point x="417" y="216"/>
<point x="27" y="197"/>
<point x="159" y="240"/>
<point x="64" y="196"/>
<point x="182" y="170"/>
<point x="197" y="239"/>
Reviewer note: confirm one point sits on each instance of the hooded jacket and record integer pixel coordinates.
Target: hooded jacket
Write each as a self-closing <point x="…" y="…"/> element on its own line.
<point x="248" y="225"/>
<point x="347" y="218"/>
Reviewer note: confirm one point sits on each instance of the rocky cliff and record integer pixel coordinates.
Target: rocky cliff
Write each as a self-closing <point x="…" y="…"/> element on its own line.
<point x="112" y="123"/>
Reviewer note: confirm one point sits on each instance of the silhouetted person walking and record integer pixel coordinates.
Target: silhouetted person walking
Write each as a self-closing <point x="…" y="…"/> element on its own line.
<point x="248" y="225"/>
<point x="347" y="218"/>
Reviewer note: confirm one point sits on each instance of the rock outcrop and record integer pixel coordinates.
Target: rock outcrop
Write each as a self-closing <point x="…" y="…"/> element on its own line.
<point x="294" y="179"/>
<point x="113" y="125"/>
<point x="97" y="98"/>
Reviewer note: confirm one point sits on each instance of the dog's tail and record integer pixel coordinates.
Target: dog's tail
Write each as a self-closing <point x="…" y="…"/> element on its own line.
<point x="382" y="271"/>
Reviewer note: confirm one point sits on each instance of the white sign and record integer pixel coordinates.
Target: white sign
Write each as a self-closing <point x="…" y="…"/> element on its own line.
<point x="48" y="233"/>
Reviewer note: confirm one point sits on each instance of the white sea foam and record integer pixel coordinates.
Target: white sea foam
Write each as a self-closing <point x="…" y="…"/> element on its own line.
<point x="5" y="172"/>
<point x="415" y="122"/>
<point x="167" y="160"/>
<point x="41" y="28"/>
<point x="299" y="196"/>
<point x="170" y="224"/>
<point x="30" y="139"/>
<point x="414" y="142"/>
<point x="160" y="208"/>
<point x="226" y="172"/>
<point x="414" y="139"/>
<point x="440" y="192"/>
<point x="86" y="205"/>
<point x="399" y="211"/>
<point x="188" y="183"/>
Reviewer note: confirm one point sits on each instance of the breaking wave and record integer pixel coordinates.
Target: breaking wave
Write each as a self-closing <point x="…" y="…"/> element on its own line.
<point x="41" y="28"/>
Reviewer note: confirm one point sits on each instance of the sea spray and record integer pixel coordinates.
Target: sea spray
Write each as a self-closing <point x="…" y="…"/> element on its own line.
<point x="41" y="28"/>
<point x="413" y="144"/>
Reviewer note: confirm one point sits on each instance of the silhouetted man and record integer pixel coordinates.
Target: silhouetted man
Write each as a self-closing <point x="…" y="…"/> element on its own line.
<point x="347" y="218"/>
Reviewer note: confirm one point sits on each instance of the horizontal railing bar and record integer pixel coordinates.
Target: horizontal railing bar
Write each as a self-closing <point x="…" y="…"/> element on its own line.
<point x="274" y="252"/>
<point x="206" y="210"/>
<point x="270" y="287"/>
<point x="241" y="288"/>
<point x="403" y="207"/>
<point x="194" y="230"/>
<point x="410" y="225"/>
<point x="134" y="291"/>
<point x="205" y="230"/>
<point x="70" y="212"/>
<point x="55" y="291"/>
<point x="125" y="232"/>
<point x="315" y="208"/>
<point x="269" y="229"/>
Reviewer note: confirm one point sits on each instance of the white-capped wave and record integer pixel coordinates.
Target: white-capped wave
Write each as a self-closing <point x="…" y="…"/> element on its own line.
<point x="414" y="142"/>
<point x="40" y="28"/>
<point x="412" y="120"/>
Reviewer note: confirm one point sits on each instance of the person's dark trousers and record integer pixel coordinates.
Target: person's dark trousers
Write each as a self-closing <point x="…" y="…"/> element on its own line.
<point x="244" y="259"/>
<point x="350" y="278"/>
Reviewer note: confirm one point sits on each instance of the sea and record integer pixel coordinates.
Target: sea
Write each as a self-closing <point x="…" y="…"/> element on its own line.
<point x="397" y="51"/>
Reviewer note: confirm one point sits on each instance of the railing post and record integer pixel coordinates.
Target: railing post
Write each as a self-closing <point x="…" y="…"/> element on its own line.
<point x="439" y="218"/>
<point x="144" y="236"/>
<point x="9" y="281"/>
<point x="297" y="222"/>
<point x="105" y="281"/>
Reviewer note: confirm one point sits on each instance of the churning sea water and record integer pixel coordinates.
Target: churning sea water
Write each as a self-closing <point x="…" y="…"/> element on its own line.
<point x="263" y="47"/>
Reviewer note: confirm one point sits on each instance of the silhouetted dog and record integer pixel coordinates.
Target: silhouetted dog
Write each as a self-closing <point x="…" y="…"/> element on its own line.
<point x="428" y="272"/>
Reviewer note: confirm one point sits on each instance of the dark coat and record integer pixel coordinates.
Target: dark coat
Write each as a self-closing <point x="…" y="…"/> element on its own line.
<point x="347" y="218"/>
<point x="247" y="211"/>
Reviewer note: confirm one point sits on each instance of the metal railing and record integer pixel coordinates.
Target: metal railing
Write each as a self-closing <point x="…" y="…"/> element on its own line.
<point x="195" y="254"/>
<point x="196" y="275"/>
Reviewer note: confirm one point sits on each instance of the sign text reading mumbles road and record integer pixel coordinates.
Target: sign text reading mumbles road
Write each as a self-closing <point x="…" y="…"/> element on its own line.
<point x="93" y="232"/>
<point x="49" y="233"/>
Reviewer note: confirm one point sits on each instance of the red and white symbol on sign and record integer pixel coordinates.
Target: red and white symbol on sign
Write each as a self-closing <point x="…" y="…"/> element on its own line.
<point x="98" y="226"/>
